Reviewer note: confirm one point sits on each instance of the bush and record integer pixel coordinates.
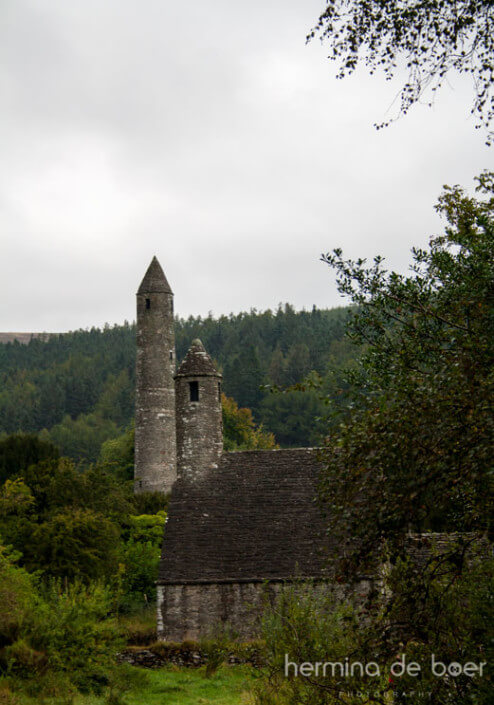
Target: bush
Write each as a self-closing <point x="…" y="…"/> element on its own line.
<point x="58" y="638"/>
<point x="316" y="624"/>
<point x="77" y="544"/>
<point x="216" y="648"/>
<point x="150" y="502"/>
<point x="20" y="450"/>
<point x="139" y="629"/>
<point x="429" y="607"/>
<point x="17" y="598"/>
<point x="140" y="557"/>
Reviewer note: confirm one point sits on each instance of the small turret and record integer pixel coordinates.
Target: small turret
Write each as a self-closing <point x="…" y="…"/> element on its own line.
<point x="198" y="410"/>
<point x="155" y="443"/>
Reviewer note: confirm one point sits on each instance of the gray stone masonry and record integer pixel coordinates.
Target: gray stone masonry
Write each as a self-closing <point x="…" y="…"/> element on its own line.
<point x="191" y="612"/>
<point x="198" y="409"/>
<point x="194" y="611"/>
<point x="155" y="440"/>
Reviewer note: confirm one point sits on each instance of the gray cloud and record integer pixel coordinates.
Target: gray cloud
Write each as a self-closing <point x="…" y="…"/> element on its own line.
<point x="210" y="135"/>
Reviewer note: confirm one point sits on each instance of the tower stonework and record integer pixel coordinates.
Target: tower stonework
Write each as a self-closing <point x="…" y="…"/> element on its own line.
<point x="155" y="439"/>
<point x="198" y="409"/>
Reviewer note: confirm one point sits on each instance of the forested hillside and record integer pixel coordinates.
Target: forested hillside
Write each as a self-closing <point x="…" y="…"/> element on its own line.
<point x="77" y="389"/>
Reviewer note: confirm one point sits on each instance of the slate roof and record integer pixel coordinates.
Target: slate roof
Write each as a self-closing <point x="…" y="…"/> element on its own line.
<point x="154" y="281"/>
<point x="197" y="362"/>
<point x="254" y="517"/>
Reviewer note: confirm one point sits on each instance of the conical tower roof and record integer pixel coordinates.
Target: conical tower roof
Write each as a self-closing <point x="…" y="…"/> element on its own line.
<point x="197" y="362"/>
<point x="154" y="281"/>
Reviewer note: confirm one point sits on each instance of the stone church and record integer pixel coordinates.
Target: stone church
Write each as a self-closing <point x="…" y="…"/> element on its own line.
<point x="240" y="524"/>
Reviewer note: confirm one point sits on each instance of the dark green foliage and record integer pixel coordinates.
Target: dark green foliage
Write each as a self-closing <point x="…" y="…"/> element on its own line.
<point x="67" y="375"/>
<point x="139" y="557"/>
<point x="117" y="455"/>
<point x="58" y="483"/>
<point x="54" y="640"/>
<point x="115" y="402"/>
<point x="244" y="377"/>
<point x="293" y="417"/>
<point x="150" y="502"/>
<point x="417" y="443"/>
<point x="413" y="452"/>
<point x="78" y="543"/>
<point x="141" y="560"/>
<point x="239" y="430"/>
<point x="84" y="526"/>
<point x="81" y="438"/>
<point x="312" y="623"/>
<point x="297" y="363"/>
<point x="77" y="389"/>
<point x="445" y="608"/>
<point x="16" y="597"/>
<point x="65" y="523"/>
<point x="19" y="451"/>
<point x="434" y="608"/>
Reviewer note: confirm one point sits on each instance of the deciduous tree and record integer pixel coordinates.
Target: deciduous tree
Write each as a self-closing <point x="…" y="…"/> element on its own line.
<point x="415" y="452"/>
<point x="431" y="37"/>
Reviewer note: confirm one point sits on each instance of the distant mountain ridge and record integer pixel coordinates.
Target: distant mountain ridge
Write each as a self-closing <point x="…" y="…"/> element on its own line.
<point x="23" y="338"/>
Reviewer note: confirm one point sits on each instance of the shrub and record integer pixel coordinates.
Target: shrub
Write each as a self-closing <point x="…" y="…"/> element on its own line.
<point x="216" y="647"/>
<point x="315" y="624"/>
<point x="55" y="639"/>
<point x="428" y="607"/>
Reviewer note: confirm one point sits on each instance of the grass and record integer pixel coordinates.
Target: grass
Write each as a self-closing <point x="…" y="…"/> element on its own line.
<point x="181" y="686"/>
<point x="230" y="685"/>
<point x="140" y="628"/>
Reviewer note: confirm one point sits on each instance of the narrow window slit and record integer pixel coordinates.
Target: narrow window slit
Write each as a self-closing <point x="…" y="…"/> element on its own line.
<point x="194" y="391"/>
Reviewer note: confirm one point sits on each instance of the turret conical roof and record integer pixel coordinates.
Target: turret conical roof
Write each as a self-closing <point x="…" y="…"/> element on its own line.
<point x="197" y="362"/>
<point x="154" y="281"/>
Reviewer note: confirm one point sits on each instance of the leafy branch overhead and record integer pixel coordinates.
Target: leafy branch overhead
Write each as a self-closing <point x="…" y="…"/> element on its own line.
<point x="431" y="37"/>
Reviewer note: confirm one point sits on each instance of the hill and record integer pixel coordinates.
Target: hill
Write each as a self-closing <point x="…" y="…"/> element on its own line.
<point x="77" y="388"/>
<point x="22" y="338"/>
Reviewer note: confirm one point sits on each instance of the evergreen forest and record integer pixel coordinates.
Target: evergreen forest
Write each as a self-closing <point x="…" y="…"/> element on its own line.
<point x="76" y="389"/>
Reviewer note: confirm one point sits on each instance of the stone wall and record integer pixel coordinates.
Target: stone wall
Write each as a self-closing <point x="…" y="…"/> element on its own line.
<point x="194" y="611"/>
<point x="189" y="612"/>
<point x="189" y="654"/>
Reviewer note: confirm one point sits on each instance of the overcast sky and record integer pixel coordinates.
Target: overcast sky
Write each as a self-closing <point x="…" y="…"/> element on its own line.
<point x="210" y="135"/>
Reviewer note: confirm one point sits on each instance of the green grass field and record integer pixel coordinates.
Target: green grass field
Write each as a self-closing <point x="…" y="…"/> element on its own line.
<point x="187" y="686"/>
<point x="229" y="686"/>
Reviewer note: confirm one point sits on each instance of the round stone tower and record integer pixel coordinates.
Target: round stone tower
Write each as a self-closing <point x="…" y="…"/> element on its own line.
<point x="198" y="408"/>
<point x="155" y="440"/>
